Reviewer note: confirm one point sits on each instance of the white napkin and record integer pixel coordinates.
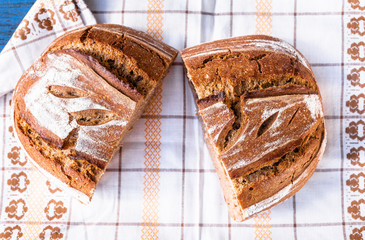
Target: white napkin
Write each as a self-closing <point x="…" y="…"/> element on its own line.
<point x="45" y="21"/>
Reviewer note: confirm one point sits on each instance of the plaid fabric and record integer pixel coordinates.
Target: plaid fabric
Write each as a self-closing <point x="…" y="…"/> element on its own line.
<point x="162" y="184"/>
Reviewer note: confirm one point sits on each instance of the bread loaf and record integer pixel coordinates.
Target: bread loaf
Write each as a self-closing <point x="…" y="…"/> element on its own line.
<point x="262" y="115"/>
<point x="75" y="104"/>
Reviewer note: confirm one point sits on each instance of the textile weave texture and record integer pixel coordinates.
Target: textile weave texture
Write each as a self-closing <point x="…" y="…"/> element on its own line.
<point x="162" y="183"/>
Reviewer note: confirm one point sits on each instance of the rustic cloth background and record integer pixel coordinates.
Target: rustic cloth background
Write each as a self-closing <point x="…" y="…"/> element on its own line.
<point x="162" y="184"/>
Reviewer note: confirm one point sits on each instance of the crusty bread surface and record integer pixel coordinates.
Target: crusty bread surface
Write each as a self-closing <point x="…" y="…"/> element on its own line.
<point x="262" y="115"/>
<point x="75" y="104"/>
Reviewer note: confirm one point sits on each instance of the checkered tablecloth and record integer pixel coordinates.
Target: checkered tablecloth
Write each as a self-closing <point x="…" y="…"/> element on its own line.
<point x="162" y="184"/>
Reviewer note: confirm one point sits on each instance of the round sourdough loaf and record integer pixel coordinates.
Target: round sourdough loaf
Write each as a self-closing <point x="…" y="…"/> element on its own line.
<point x="262" y="115"/>
<point x="75" y="104"/>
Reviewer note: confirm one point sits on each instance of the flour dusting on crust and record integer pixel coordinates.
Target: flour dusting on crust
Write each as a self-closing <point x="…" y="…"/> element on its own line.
<point x="55" y="113"/>
<point x="309" y="107"/>
<point x="216" y="118"/>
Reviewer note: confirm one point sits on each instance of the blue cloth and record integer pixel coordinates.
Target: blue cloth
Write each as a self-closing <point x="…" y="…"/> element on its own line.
<point x="11" y="14"/>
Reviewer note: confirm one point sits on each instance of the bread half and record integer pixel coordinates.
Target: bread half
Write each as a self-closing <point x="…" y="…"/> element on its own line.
<point x="75" y="104"/>
<point x="262" y="116"/>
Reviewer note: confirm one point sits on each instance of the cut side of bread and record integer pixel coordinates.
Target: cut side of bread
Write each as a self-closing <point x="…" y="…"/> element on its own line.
<point x="76" y="103"/>
<point x="262" y="116"/>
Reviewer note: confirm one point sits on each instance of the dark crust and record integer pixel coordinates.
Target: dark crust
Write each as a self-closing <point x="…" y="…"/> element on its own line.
<point x="99" y="163"/>
<point x="28" y="79"/>
<point x="104" y="73"/>
<point x="85" y="183"/>
<point x="278" y="91"/>
<point x="199" y="54"/>
<point x="165" y="51"/>
<point x="309" y="167"/>
<point x="210" y="100"/>
<point x="63" y="173"/>
<point x="257" y="64"/>
<point x="277" y="153"/>
<point x="133" y="42"/>
<point x="291" y="145"/>
<point x="284" y="171"/>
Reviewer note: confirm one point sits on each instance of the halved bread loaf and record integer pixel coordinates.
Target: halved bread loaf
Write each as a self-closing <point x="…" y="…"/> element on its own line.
<point x="262" y="115"/>
<point x="75" y="104"/>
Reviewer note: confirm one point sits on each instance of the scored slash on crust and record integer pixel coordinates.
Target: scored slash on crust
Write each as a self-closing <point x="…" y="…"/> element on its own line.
<point x="262" y="116"/>
<point x="76" y="103"/>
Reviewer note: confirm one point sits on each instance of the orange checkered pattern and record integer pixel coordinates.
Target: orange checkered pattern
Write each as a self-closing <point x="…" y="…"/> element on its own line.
<point x="152" y="155"/>
<point x="36" y="204"/>
<point x="263" y="17"/>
